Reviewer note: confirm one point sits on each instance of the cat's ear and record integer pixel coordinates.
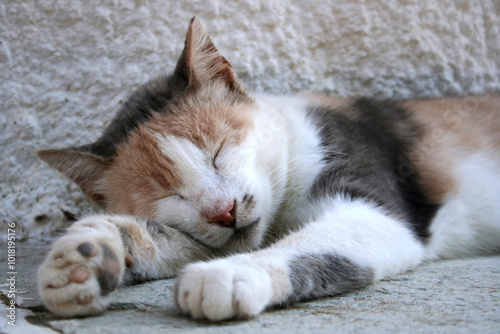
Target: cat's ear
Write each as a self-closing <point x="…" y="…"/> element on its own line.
<point x="85" y="169"/>
<point x="201" y="62"/>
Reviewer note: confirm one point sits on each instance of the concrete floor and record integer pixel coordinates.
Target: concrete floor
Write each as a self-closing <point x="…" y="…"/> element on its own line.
<point x="459" y="296"/>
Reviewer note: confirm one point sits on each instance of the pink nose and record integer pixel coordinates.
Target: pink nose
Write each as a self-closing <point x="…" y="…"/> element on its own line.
<point x="224" y="218"/>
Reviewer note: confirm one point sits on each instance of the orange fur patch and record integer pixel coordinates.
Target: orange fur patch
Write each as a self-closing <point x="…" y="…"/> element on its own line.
<point x="453" y="127"/>
<point x="208" y="118"/>
<point x="143" y="243"/>
<point x="138" y="175"/>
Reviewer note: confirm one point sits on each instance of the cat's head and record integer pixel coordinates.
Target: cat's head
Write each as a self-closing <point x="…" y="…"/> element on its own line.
<point x="178" y="152"/>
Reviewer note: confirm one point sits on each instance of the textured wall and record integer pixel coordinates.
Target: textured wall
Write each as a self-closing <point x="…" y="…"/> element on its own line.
<point x="66" y="66"/>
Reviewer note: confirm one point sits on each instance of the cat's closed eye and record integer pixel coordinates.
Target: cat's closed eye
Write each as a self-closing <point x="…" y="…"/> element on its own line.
<point x="214" y="160"/>
<point x="171" y="196"/>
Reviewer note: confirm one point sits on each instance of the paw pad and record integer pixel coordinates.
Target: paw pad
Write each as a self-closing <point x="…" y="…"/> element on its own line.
<point x="87" y="250"/>
<point x="79" y="274"/>
<point x="85" y="300"/>
<point x="77" y="277"/>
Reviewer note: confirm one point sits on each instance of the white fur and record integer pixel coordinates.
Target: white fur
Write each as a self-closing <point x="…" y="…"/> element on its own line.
<point x="206" y="188"/>
<point x="223" y="289"/>
<point x="468" y="223"/>
<point x="188" y="159"/>
<point x="363" y="233"/>
<point x="202" y="190"/>
<point x="300" y="155"/>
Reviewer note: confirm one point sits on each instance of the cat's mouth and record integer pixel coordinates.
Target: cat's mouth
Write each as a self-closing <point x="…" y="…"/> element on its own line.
<point x="240" y="237"/>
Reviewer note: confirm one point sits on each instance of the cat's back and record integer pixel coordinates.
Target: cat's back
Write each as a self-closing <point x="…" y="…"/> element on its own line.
<point x="447" y="131"/>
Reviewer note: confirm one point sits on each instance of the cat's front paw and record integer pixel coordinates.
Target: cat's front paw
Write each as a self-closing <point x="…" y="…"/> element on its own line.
<point x="82" y="269"/>
<point x="221" y="290"/>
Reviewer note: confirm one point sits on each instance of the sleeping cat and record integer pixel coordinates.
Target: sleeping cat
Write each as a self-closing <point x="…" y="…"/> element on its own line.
<point x="260" y="202"/>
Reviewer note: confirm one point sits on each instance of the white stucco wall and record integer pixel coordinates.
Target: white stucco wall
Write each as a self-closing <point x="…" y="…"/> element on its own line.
<point x="66" y="66"/>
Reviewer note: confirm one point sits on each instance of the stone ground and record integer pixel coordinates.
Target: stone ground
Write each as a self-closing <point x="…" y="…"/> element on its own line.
<point x="458" y="296"/>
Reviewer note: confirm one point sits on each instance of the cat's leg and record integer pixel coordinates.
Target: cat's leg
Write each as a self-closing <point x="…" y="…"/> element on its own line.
<point x="100" y="252"/>
<point x="348" y="247"/>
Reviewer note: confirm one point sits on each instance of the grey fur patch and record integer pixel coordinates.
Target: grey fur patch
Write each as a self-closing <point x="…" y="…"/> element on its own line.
<point x="131" y="275"/>
<point x="366" y="146"/>
<point x="126" y="239"/>
<point x="321" y="275"/>
<point x="157" y="230"/>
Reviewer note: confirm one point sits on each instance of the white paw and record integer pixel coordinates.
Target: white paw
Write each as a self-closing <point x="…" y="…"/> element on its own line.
<point x="82" y="268"/>
<point x="222" y="289"/>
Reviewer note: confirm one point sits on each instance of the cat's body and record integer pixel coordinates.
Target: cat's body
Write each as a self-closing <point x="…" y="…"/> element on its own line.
<point x="319" y="195"/>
